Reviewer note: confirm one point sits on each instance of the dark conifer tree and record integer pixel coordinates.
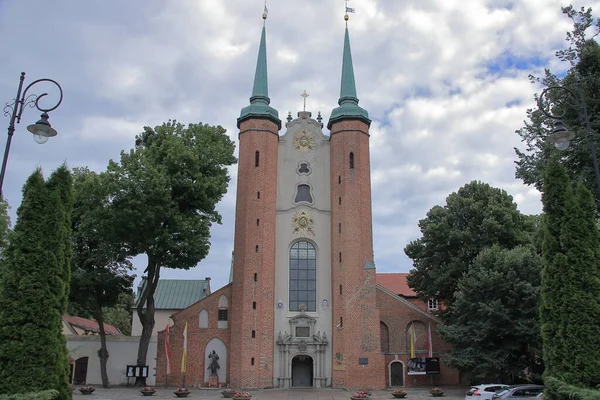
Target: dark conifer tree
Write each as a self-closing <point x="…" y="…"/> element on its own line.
<point x="570" y="308"/>
<point x="32" y="294"/>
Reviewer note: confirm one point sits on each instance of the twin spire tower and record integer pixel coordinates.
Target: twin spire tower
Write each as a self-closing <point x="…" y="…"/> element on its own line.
<point x="304" y="308"/>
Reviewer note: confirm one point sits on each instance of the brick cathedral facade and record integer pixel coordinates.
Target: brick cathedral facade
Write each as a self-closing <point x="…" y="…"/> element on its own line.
<point x="303" y="308"/>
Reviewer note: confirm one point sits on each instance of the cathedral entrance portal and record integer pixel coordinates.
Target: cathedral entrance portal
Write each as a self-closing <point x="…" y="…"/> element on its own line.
<point x="302" y="371"/>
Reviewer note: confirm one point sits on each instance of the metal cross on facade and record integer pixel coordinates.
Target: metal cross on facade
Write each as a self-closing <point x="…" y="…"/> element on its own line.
<point x="305" y="95"/>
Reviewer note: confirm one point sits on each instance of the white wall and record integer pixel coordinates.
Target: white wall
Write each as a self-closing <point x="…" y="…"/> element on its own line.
<point x="122" y="351"/>
<point x="161" y="319"/>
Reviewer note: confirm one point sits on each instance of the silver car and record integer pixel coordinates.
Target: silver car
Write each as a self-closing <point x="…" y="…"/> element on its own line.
<point x="484" y="392"/>
<point x="520" y="392"/>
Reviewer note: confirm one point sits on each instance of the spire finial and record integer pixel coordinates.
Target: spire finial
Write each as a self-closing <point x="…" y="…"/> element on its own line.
<point x="348" y="10"/>
<point x="265" y="13"/>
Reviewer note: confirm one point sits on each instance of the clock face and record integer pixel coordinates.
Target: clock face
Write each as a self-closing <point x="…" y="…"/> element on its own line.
<point x="304" y="141"/>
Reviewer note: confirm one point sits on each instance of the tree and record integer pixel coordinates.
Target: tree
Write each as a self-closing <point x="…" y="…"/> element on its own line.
<point x="583" y="55"/>
<point x="570" y="294"/>
<point x="495" y="331"/>
<point x="164" y="195"/>
<point x="120" y="314"/>
<point x="475" y="218"/>
<point x="100" y="267"/>
<point x="33" y="355"/>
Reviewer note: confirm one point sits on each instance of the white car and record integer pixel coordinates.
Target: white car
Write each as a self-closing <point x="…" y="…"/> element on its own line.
<point x="484" y="392"/>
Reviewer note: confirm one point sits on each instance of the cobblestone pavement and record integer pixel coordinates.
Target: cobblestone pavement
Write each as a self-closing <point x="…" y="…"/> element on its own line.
<point x="118" y="393"/>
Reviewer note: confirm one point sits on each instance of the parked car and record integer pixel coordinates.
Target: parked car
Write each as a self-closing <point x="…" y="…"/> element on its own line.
<point x="484" y="392"/>
<point x="519" y="392"/>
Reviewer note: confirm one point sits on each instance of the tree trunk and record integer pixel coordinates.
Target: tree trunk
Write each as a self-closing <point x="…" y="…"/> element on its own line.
<point x="103" y="353"/>
<point x="145" y="311"/>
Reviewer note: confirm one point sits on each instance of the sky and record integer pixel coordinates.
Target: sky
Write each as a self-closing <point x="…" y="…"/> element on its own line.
<point x="444" y="81"/>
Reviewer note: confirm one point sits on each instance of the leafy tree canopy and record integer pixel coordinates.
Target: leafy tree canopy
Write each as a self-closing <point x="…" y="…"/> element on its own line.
<point x="164" y="194"/>
<point x="476" y="217"/>
<point x="494" y="328"/>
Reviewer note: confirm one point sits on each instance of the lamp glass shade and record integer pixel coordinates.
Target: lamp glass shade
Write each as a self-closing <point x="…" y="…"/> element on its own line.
<point x="42" y="127"/>
<point x="40" y="139"/>
<point x="562" y="144"/>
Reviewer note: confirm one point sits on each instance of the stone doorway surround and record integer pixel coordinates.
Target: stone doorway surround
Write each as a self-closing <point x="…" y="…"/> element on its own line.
<point x="305" y="342"/>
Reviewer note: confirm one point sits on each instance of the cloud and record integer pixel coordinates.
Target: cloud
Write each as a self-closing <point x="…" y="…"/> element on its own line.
<point x="444" y="81"/>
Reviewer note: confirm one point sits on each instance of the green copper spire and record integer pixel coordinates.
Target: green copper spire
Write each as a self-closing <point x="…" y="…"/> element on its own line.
<point x="259" y="102"/>
<point x="349" y="108"/>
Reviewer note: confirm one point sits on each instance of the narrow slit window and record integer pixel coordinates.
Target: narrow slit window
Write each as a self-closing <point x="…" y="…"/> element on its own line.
<point x="257" y="222"/>
<point x="253" y="334"/>
<point x="339" y="179"/>
<point x="256" y="158"/>
<point x="340" y="289"/>
<point x="351" y="160"/>
<point x="340" y="201"/>
<point x="340" y="256"/>
<point x="258" y="195"/>
<point x="254" y="305"/>
<point x="255" y="277"/>
<point x="256" y="249"/>
<point x="252" y="361"/>
<point x="340" y="227"/>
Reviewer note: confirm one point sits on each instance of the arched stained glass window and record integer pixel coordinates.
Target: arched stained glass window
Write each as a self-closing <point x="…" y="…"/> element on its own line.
<point x="303" y="276"/>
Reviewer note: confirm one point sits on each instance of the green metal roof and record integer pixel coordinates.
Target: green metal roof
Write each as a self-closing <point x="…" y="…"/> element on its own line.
<point x="349" y="108"/>
<point x="177" y="294"/>
<point x="259" y="102"/>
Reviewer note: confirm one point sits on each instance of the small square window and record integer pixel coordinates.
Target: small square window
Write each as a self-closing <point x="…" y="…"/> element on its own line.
<point x="223" y="314"/>
<point x="432" y="304"/>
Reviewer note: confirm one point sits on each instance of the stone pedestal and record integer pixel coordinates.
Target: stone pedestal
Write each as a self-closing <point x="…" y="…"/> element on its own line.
<point x="213" y="381"/>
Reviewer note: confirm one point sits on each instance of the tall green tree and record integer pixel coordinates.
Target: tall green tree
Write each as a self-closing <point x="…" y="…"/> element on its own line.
<point x="164" y="196"/>
<point x="583" y="58"/>
<point x="495" y="331"/>
<point x="475" y="218"/>
<point x="33" y="290"/>
<point x="570" y="306"/>
<point x="101" y="270"/>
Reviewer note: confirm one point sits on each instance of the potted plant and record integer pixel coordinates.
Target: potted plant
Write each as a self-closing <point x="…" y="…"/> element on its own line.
<point x="359" y="395"/>
<point x="87" y="389"/>
<point x="182" y="392"/>
<point x="436" y="392"/>
<point x="242" y="395"/>
<point x="399" y="393"/>
<point x="148" y="391"/>
<point x="228" y="393"/>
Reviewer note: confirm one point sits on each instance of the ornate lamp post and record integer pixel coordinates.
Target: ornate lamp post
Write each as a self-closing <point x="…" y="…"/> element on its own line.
<point x="41" y="130"/>
<point x="561" y="136"/>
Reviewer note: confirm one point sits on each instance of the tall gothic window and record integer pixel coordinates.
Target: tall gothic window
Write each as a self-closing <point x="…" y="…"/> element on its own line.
<point x="303" y="276"/>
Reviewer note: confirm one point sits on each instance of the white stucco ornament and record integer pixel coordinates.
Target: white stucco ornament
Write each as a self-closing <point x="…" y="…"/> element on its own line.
<point x="304" y="141"/>
<point x="303" y="223"/>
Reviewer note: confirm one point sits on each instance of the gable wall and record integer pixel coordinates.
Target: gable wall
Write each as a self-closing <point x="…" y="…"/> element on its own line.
<point x="198" y="339"/>
<point x="397" y="316"/>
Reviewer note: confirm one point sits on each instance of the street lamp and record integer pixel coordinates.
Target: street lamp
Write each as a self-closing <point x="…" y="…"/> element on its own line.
<point x="41" y="130"/>
<point x="561" y="136"/>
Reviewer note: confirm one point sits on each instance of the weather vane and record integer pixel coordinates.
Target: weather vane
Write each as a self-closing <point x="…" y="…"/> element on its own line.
<point x="305" y="95"/>
<point x="348" y="10"/>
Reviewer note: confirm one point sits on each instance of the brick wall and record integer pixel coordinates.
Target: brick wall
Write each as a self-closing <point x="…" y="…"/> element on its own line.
<point x="198" y="339"/>
<point x="397" y="316"/>
<point x="255" y="135"/>
<point x="356" y="306"/>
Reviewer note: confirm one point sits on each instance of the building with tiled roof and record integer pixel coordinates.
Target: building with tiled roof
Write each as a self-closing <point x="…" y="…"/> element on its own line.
<point x="397" y="283"/>
<point x="171" y="295"/>
<point x="82" y="326"/>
